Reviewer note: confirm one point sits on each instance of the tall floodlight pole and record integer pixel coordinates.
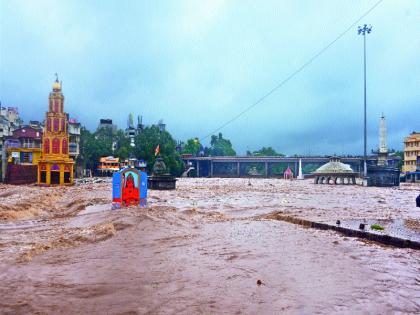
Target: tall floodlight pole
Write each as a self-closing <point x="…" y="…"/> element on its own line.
<point x="363" y="31"/>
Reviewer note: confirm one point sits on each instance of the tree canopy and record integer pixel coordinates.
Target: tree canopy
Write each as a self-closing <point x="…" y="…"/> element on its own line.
<point x="220" y="146"/>
<point x="107" y="142"/>
<point x="265" y="151"/>
<point x="193" y="147"/>
<point x="146" y="143"/>
<point x="95" y="145"/>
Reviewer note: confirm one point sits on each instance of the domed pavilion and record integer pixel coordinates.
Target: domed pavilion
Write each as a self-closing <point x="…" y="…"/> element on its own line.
<point x="335" y="172"/>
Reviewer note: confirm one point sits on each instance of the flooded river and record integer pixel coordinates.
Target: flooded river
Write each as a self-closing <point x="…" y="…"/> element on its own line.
<point x="209" y="247"/>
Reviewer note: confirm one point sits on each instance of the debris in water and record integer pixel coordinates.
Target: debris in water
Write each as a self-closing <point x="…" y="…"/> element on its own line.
<point x="377" y="227"/>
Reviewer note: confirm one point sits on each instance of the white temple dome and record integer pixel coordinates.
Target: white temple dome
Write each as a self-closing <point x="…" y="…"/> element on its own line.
<point x="334" y="166"/>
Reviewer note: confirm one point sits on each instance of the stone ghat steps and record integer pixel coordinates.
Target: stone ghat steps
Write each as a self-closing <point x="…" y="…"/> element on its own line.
<point x="376" y="237"/>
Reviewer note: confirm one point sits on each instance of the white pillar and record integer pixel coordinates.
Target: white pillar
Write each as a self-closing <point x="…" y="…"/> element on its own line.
<point x="300" y="170"/>
<point x="383" y="148"/>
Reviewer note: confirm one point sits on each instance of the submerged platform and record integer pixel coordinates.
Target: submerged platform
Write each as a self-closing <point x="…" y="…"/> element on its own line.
<point x="161" y="182"/>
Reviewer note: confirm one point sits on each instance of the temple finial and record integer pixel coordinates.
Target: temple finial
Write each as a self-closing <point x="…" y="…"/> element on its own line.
<point x="56" y="77"/>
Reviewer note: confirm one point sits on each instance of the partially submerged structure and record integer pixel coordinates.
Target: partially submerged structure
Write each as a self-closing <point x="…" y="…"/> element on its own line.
<point x="300" y="176"/>
<point x="23" y="151"/>
<point x="129" y="187"/>
<point x="382" y="174"/>
<point x="335" y="172"/>
<point x="288" y="174"/>
<point x="161" y="179"/>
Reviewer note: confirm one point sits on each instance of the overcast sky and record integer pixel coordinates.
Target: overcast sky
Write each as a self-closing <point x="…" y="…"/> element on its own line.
<point x="197" y="64"/>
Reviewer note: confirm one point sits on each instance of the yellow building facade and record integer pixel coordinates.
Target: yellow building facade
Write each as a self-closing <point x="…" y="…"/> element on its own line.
<point x="55" y="167"/>
<point x="27" y="155"/>
<point x="411" y="152"/>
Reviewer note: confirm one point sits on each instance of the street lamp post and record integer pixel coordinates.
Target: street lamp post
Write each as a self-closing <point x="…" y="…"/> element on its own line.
<point x="363" y="31"/>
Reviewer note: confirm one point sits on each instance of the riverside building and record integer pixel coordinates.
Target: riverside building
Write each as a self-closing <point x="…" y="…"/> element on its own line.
<point x="411" y="152"/>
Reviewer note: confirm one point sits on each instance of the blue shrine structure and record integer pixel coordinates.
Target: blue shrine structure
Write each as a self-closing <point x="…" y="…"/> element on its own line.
<point x="129" y="187"/>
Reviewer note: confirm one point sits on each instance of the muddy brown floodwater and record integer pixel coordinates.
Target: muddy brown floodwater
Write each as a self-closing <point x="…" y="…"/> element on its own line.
<point x="202" y="249"/>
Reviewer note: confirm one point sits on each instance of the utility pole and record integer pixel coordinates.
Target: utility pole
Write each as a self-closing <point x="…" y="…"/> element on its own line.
<point x="363" y="31"/>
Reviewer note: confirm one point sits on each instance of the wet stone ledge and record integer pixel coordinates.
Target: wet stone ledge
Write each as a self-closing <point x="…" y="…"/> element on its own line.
<point x="403" y="238"/>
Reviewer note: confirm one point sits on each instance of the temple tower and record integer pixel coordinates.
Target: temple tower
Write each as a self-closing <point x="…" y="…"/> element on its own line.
<point x="383" y="148"/>
<point x="55" y="166"/>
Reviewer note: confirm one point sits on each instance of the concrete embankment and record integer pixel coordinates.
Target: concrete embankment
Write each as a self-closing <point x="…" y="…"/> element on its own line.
<point x="380" y="237"/>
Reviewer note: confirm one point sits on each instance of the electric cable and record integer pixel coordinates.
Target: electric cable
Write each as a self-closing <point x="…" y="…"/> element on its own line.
<point x="293" y="74"/>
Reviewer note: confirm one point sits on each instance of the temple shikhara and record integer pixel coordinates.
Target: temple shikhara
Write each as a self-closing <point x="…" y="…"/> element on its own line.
<point x="55" y="166"/>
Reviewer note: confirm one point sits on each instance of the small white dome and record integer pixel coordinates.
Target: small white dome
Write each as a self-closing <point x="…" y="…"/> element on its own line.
<point x="334" y="166"/>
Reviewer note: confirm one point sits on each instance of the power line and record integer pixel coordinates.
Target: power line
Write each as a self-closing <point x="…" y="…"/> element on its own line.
<point x="293" y="74"/>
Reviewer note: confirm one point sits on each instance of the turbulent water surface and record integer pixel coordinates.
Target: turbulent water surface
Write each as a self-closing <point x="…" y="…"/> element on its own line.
<point x="202" y="249"/>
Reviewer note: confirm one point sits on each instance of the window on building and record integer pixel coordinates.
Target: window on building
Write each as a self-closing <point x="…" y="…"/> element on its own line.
<point x="56" y="146"/>
<point x="63" y="124"/>
<point x="48" y="124"/>
<point x="56" y="122"/>
<point x="47" y="146"/>
<point x="26" y="157"/>
<point x="56" y="105"/>
<point x="65" y="147"/>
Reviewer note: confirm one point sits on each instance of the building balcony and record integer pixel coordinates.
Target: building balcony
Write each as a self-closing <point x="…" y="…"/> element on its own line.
<point x="73" y="149"/>
<point x="31" y="145"/>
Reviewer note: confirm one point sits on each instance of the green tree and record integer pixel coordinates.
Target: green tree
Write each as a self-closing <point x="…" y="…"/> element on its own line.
<point x="102" y="143"/>
<point x="123" y="148"/>
<point x="269" y="151"/>
<point x="106" y="142"/>
<point x="146" y="143"/>
<point x="220" y="146"/>
<point x="94" y="146"/>
<point x="192" y="147"/>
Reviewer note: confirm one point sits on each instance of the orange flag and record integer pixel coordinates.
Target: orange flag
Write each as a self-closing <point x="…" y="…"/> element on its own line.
<point x="157" y="150"/>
